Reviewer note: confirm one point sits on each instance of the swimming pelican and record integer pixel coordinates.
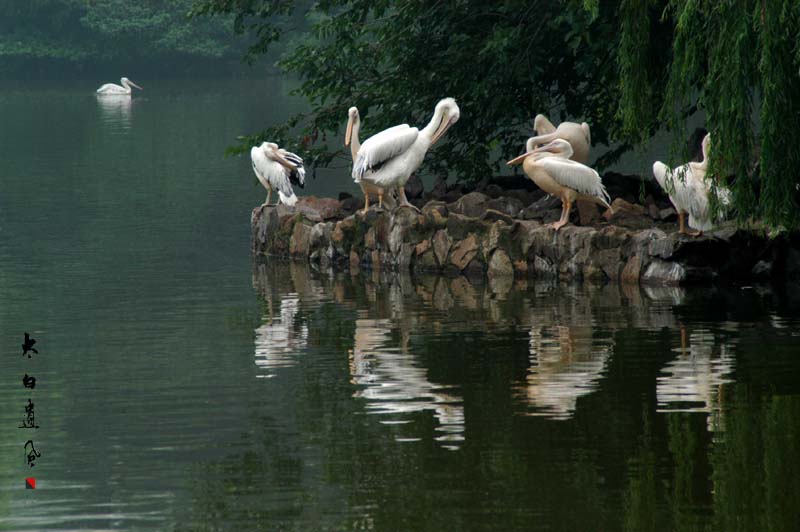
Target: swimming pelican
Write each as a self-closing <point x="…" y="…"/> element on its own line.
<point x="278" y="168"/>
<point x="577" y="135"/>
<point x="388" y="159"/>
<point x="550" y="167"/>
<point x="112" y="89"/>
<point x="351" y="139"/>
<point x="688" y="191"/>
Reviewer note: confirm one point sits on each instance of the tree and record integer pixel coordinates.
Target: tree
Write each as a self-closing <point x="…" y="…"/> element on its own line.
<point x="91" y="32"/>
<point x="628" y="67"/>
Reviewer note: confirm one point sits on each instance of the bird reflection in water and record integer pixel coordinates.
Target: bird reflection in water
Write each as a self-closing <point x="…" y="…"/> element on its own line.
<point x="115" y="111"/>
<point x="279" y="340"/>
<point x="567" y="359"/>
<point x="391" y="381"/>
<point x="283" y="334"/>
<point x="693" y="382"/>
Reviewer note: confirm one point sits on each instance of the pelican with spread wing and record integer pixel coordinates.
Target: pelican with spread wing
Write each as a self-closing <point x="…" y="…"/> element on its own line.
<point x="689" y="192"/>
<point x="277" y="169"/>
<point x="550" y="167"/>
<point x="387" y="160"/>
<point x="578" y="135"/>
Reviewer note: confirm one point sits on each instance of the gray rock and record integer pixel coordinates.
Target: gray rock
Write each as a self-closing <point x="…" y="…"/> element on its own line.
<point x="491" y="216"/>
<point x="625" y="214"/>
<point x="493" y="191"/>
<point x="667" y="215"/>
<point x="546" y="209"/>
<point x="500" y="265"/>
<point x="472" y="204"/>
<point x="507" y="205"/>
<point x="441" y="246"/>
<point x="544" y="268"/>
<point x="661" y="272"/>
<point x="435" y="205"/>
<point x="464" y="251"/>
<point x="299" y="243"/>
<point x="762" y="270"/>
<point x="395" y="238"/>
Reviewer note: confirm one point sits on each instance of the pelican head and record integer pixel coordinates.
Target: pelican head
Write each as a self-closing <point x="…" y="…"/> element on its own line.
<point x="449" y="114"/>
<point x="705" y="144"/>
<point x="128" y="83"/>
<point x="539" y="122"/>
<point x="352" y="116"/>
<point x="271" y="150"/>
<point x="558" y="147"/>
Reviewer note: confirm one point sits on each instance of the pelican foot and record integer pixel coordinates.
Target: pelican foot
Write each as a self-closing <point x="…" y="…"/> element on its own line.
<point x="410" y="206"/>
<point x="694" y="234"/>
<point x="557" y="225"/>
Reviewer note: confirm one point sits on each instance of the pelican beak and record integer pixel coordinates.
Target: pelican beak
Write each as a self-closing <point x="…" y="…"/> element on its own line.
<point x="349" y="132"/>
<point x="283" y="162"/>
<point x="135" y="85"/>
<point x="443" y="127"/>
<point x="521" y="158"/>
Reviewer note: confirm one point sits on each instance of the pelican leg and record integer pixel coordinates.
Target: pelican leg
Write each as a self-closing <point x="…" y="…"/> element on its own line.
<point x="366" y="203"/>
<point x="380" y="199"/>
<point x="404" y="200"/>
<point x="269" y="194"/>
<point x="682" y="222"/>
<point x="566" y="205"/>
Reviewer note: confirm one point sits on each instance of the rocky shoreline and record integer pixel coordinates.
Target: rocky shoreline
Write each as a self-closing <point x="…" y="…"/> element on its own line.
<point x="477" y="234"/>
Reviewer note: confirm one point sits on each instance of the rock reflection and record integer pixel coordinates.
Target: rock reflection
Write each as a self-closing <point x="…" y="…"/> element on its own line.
<point x="568" y="337"/>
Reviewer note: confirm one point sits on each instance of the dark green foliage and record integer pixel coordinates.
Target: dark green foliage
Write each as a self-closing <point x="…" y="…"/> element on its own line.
<point x="503" y="62"/>
<point x="101" y="32"/>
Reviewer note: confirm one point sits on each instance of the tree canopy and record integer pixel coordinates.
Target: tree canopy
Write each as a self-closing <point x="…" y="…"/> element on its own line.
<point x="82" y="32"/>
<point x="628" y="67"/>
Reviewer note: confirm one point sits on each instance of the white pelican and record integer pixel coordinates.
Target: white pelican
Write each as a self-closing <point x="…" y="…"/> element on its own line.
<point x="278" y="168"/>
<point x="550" y="167"/>
<point x="388" y="159"/>
<point x="577" y="135"/>
<point x="688" y="191"/>
<point x="112" y="89"/>
<point x="351" y="139"/>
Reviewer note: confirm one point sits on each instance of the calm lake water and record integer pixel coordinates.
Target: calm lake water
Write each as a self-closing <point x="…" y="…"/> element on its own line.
<point x="182" y="387"/>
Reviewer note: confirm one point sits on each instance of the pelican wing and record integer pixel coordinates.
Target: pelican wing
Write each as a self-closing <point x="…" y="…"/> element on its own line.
<point x="299" y="173"/>
<point x="677" y="183"/>
<point x="271" y="172"/>
<point x="380" y="148"/>
<point x="260" y="164"/>
<point x="576" y="176"/>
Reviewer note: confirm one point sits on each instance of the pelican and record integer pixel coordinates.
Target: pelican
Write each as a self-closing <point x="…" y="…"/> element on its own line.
<point x="550" y="167"/>
<point x="278" y="168"/>
<point x="388" y="159"/>
<point x="688" y="191"/>
<point x="577" y="135"/>
<point x="112" y="89"/>
<point x="351" y="139"/>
